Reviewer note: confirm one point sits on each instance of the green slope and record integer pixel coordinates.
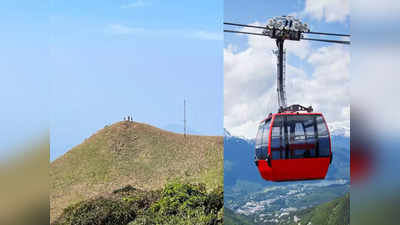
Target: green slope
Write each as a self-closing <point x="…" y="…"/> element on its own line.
<point x="336" y="212"/>
<point x="231" y="218"/>
<point x="137" y="154"/>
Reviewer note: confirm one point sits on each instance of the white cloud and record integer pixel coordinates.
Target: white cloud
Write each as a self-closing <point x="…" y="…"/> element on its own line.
<point x="119" y="29"/>
<point x="372" y="10"/>
<point x="250" y="83"/>
<point x="206" y="35"/>
<point x="136" y="4"/>
<point x="329" y="10"/>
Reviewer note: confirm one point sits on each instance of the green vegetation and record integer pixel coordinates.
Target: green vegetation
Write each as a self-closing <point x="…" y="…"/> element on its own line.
<point x="381" y="207"/>
<point x="175" y="204"/>
<point x="336" y="212"/>
<point x="231" y="218"/>
<point x="133" y="153"/>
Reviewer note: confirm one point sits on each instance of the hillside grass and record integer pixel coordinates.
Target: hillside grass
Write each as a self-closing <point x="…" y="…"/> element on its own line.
<point x="131" y="153"/>
<point x="335" y="212"/>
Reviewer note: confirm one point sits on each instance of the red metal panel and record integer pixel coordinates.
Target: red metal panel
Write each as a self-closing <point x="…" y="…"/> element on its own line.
<point x="269" y="136"/>
<point x="294" y="169"/>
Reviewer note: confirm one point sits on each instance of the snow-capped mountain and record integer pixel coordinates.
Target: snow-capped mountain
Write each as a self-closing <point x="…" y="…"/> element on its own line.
<point x="240" y="151"/>
<point x="339" y="129"/>
<point x="228" y="135"/>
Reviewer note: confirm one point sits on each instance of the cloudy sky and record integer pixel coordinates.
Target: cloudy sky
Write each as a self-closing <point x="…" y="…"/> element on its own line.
<point x="317" y="74"/>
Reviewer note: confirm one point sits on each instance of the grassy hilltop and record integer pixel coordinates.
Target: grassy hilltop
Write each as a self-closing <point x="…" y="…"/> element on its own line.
<point x="137" y="154"/>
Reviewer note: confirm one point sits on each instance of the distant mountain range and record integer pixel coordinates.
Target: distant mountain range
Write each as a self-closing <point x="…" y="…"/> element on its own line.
<point x="132" y="153"/>
<point x="339" y="130"/>
<point x="239" y="159"/>
<point x="267" y="202"/>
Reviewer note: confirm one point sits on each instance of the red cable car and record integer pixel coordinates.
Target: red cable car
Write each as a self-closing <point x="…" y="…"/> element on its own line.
<point x="293" y="146"/>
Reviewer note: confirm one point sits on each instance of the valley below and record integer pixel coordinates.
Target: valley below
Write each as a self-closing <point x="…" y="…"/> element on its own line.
<point x="265" y="202"/>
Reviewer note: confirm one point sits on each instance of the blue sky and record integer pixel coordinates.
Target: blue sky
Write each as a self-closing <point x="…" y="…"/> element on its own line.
<point x="115" y="58"/>
<point x="246" y="12"/>
<point x="317" y="73"/>
<point x="87" y="64"/>
<point x="24" y="86"/>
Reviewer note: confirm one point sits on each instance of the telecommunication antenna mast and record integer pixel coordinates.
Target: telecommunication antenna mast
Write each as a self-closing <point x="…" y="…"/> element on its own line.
<point x="184" y="118"/>
<point x="283" y="28"/>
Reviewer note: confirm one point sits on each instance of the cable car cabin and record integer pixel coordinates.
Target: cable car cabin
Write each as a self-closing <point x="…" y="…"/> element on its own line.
<point x="293" y="146"/>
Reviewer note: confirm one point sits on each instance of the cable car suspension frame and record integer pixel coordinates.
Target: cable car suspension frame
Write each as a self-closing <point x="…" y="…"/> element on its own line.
<point x="286" y="28"/>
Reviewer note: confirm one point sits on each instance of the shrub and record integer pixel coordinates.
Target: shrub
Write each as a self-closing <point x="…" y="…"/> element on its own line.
<point x="127" y="188"/>
<point x="187" y="204"/>
<point x="99" y="211"/>
<point x="176" y="204"/>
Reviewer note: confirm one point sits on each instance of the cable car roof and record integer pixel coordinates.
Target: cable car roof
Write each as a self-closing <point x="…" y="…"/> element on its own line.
<point x="290" y="113"/>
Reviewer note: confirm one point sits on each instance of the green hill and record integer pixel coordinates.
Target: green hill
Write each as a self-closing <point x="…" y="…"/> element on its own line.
<point x="231" y="218"/>
<point x="336" y="212"/>
<point x="137" y="154"/>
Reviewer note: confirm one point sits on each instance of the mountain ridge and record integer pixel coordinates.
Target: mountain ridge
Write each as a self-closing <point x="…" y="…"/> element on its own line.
<point x="334" y="131"/>
<point x="133" y="153"/>
<point x="334" y="212"/>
